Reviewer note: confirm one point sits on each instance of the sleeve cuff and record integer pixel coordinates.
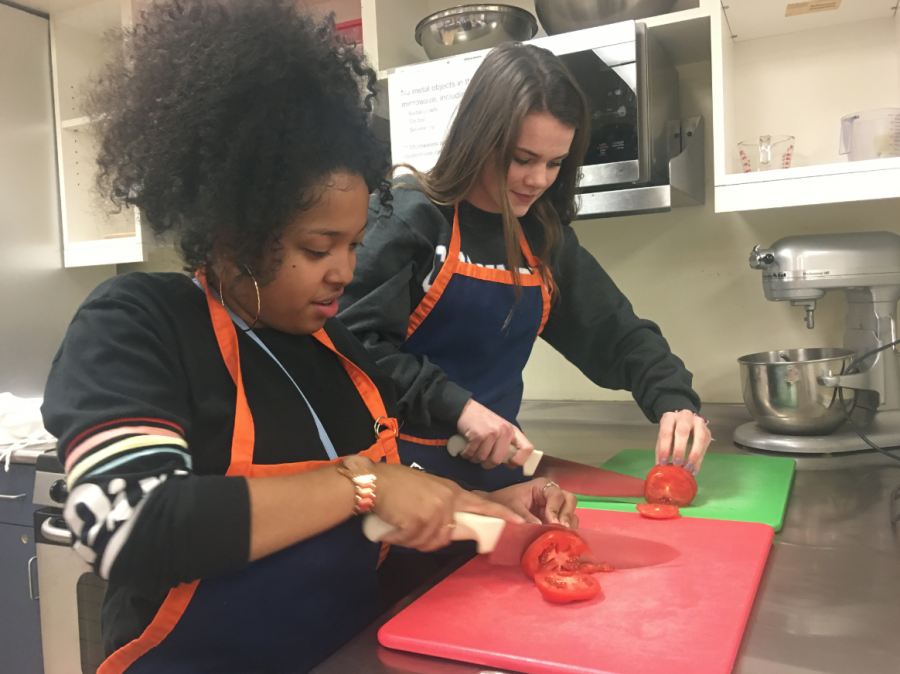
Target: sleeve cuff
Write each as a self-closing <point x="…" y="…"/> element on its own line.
<point x="448" y="403"/>
<point x="672" y="403"/>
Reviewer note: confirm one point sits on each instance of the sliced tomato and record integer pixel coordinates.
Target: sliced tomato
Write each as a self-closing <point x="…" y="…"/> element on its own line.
<point x="588" y="568"/>
<point x="672" y="485"/>
<point x="562" y="589"/>
<point x="552" y="551"/>
<point x="658" y="511"/>
<point x="577" y="566"/>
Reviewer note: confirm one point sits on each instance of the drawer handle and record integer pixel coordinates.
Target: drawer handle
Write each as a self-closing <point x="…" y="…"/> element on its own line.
<point x="56" y="534"/>
<point x="34" y="597"/>
<point x="12" y="496"/>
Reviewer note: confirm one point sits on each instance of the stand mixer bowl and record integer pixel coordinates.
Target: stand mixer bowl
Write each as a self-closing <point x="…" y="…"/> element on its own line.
<point x="782" y="390"/>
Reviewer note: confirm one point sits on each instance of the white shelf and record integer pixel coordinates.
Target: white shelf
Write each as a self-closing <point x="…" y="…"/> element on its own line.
<point x="103" y="251"/>
<point x="808" y="185"/>
<point x="79" y="49"/>
<point x="799" y="76"/>
<point x="754" y="19"/>
<point x="75" y="123"/>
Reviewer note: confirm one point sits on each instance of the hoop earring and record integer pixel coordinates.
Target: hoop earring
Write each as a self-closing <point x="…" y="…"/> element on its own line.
<point x="258" y="298"/>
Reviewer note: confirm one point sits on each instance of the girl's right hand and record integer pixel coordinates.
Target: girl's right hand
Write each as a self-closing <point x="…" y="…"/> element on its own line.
<point x="421" y="506"/>
<point x="490" y="437"/>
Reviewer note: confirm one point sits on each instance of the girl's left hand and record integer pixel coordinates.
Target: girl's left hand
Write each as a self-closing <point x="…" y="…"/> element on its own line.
<point x="676" y="430"/>
<point x="538" y="502"/>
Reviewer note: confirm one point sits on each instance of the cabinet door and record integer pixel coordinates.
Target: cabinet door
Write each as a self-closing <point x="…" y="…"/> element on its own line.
<point x="20" y="635"/>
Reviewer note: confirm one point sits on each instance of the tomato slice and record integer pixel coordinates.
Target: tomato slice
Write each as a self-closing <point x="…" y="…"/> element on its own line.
<point x="658" y="511"/>
<point x="574" y="566"/>
<point x="552" y="551"/>
<point x="562" y="589"/>
<point x="671" y="485"/>
<point x="588" y="568"/>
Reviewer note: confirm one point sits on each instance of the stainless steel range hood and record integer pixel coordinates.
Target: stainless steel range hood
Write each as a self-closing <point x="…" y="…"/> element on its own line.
<point x="687" y="177"/>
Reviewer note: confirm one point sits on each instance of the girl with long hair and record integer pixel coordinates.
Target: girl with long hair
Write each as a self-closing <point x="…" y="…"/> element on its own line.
<point x="474" y="259"/>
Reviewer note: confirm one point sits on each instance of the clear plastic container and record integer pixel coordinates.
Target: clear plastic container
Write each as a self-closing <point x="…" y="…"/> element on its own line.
<point x="766" y="153"/>
<point x="871" y="134"/>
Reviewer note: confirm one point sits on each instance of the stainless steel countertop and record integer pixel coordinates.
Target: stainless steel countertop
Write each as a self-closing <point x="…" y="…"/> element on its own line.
<point x="28" y="455"/>
<point x="829" y="598"/>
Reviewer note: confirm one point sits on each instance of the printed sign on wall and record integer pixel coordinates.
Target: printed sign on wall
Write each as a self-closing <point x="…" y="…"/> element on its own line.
<point x="423" y="102"/>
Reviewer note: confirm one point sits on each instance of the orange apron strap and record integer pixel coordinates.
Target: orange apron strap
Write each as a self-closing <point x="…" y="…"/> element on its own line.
<point x="443" y="278"/>
<point x="536" y="264"/>
<point x="163" y="622"/>
<point x="372" y="398"/>
<point x="244" y="434"/>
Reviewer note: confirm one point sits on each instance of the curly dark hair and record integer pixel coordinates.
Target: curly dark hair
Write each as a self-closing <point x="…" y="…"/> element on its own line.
<point x="223" y="119"/>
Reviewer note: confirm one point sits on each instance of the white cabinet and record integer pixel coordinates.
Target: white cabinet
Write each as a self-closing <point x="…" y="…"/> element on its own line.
<point x="771" y="74"/>
<point x="799" y="75"/>
<point x="92" y="233"/>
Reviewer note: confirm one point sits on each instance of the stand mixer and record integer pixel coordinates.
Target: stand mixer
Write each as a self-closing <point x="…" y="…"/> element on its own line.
<point x="800" y="270"/>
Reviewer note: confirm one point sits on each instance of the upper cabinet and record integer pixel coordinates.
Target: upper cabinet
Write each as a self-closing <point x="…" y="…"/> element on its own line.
<point x="82" y="37"/>
<point x="779" y="69"/>
<point x="797" y="69"/>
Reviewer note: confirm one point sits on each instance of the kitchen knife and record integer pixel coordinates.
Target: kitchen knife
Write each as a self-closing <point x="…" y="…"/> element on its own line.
<point x="577" y="478"/>
<point x="506" y="542"/>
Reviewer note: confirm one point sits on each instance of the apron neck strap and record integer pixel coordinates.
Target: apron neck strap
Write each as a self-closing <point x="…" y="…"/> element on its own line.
<point x="244" y="435"/>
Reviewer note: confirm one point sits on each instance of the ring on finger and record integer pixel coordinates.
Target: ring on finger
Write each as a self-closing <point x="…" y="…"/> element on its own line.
<point x="450" y="525"/>
<point x="549" y="484"/>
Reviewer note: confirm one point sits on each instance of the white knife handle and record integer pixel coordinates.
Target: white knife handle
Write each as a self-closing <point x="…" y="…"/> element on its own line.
<point x="485" y="531"/>
<point x="457" y="443"/>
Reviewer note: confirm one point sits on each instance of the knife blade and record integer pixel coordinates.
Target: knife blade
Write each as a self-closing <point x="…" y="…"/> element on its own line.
<point x="506" y="542"/>
<point x="572" y="476"/>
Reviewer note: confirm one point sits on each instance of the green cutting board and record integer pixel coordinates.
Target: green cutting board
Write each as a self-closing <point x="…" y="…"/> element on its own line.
<point x="730" y="486"/>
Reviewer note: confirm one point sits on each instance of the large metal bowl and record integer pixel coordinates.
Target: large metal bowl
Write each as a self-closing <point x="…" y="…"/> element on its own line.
<point x="562" y="16"/>
<point x="472" y="27"/>
<point x="783" y="393"/>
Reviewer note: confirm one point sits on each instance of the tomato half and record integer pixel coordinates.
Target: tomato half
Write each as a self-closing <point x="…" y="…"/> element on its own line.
<point x="658" y="511"/>
<point x="562" y="589"/>
<point x="552" y="551"/>
<point x="670" y="484"/>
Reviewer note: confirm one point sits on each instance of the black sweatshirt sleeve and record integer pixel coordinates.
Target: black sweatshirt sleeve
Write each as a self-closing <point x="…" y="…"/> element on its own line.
<point x="594" y="326"/>
<point x="393" y="263"/>
<point x="117" y="400"/>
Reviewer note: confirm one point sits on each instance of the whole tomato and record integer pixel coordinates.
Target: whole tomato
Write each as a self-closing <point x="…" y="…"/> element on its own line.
<point x="670" y="485"/>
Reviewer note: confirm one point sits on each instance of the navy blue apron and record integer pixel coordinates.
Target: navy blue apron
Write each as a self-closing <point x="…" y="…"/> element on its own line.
<point x="464" y="326"/>
<point x="285" y="612"/>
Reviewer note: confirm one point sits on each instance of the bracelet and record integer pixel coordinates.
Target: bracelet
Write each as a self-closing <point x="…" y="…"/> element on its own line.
<point x="363" y="480"/>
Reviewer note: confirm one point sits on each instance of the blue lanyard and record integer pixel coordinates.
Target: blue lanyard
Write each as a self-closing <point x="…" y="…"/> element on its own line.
<point x="323" y="436"/>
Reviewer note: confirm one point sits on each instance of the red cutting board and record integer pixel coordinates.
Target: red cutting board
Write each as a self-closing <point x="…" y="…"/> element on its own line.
<point x="683" y="617"/>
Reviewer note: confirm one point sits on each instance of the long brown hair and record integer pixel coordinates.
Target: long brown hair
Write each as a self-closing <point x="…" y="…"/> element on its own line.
<point x="513" y="81"/>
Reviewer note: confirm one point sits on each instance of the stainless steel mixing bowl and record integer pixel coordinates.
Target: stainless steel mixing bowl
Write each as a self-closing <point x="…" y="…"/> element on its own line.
<point x="472" y="27"/>
<point x="782" y="391"/>
<point x="562" y="16"/>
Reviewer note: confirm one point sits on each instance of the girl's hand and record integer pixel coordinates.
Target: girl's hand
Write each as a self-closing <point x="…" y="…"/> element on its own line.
<point x="676" y="430"/>
<point x="421" y="506"/>
<point x="538" y="502"/>
<point x="490" y="437"/>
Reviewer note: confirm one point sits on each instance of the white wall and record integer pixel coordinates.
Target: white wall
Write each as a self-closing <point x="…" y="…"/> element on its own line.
<point x="687" y="270"/>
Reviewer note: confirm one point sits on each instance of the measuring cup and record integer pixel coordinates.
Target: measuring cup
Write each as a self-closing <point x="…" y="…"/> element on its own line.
<point x="871" y="134"/>
<point x="766" y="153"/>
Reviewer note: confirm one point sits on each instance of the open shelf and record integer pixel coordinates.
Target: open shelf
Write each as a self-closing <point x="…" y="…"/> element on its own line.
<point x="82" y="41"/>
<point x="798" y="76"/>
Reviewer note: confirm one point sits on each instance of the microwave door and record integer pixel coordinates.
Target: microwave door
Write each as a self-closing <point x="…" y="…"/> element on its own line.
<point x="613" y="152"/>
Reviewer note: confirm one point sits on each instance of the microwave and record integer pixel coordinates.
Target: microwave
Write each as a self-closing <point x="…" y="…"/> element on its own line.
<point x="630" y="83"/>
<point x="633" y="92"/>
